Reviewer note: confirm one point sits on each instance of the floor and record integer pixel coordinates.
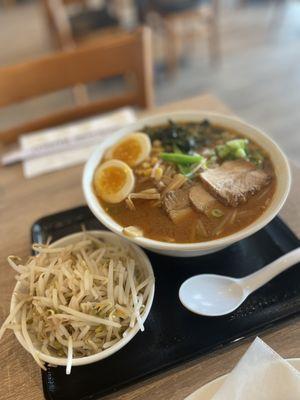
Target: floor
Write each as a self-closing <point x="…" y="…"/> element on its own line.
<point x="258" y="77"/>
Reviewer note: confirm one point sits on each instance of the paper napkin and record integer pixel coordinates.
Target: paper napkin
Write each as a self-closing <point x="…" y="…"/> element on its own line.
<point x="103" y="126"/>
<point x="261" y="374"/>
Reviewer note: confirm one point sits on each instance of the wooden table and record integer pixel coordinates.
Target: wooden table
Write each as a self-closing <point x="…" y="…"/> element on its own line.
<point x="23" y="201"/>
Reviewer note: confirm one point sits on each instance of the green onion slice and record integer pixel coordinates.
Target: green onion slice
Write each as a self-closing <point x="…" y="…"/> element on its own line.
<point x="217" y="213"/>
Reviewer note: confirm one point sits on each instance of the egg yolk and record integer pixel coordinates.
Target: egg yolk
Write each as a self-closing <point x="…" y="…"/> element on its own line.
<point x="111" y="180"/>
<point x="128" y="151"/>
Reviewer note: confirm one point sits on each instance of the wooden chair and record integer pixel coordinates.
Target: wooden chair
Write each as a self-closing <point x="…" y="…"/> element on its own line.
<point x="64" y="37"/>
<point x="127" y="55"/>
<point x="183" y="25"/>
<point x="63" y="27"/>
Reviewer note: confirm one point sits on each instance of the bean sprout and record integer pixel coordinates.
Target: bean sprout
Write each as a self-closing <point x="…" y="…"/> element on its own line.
<point x="77" y="300"/>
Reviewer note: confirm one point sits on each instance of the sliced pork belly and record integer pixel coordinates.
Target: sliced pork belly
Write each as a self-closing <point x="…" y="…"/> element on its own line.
<point x="202" y="200"/>
<point x="177" y="216"/>
<point x="176" y="200"/>
<point x="177" y="204"/>
<point x="234" y="181"/>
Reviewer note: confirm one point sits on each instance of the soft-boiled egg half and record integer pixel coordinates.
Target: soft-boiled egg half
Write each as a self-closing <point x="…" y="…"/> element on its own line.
<point x="132" y="149"/>
<point x="113" y="181"/>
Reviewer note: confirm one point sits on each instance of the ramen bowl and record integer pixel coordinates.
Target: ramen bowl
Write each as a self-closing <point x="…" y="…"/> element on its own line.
<point x="277" y="157"/>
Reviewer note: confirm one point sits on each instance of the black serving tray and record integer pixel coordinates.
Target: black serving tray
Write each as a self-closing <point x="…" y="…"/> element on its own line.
<point x="172" y="333"/>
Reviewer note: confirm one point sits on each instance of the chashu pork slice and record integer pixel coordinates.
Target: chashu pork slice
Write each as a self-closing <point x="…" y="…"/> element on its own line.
<point x="234" y="181"/>
<point x="177" y="204"/>
<point x="202" y="200"/>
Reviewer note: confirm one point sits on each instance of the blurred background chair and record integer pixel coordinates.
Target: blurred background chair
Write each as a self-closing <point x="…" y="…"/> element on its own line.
<point x="75" y="21"/>
<point x="8" y="3"/>
<point x="175" y="22"/>
<point x="181" y="22"/>
<point x="260" y="52"/>
<point x="125" y="54"/>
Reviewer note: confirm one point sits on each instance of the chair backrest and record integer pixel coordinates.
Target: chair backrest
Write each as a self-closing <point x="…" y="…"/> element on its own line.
<point x="59" y="21"/>
<point x="127" y="55"/>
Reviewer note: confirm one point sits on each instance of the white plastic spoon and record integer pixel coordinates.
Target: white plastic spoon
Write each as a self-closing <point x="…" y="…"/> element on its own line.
<point x="216" y="295"/>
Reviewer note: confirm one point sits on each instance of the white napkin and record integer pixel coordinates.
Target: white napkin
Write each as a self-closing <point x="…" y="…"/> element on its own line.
<point x="105" y="124"/>
<point x="261" y="374"/>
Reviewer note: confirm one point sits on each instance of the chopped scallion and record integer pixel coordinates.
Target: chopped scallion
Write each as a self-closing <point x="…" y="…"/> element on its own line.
<point x="233" y="149"/>
<point x="236" y="144"/>
<point x="240" y="153"/>
<point x="183" y="159"/>
<point x="217" y="213"/>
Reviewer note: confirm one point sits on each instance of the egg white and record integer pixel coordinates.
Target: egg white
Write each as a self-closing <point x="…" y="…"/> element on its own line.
<point x="125" y="190"/>
<point x="144" y="142"/>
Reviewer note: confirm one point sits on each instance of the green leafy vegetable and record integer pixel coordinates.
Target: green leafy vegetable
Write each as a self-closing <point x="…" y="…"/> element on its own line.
<point x="223" y="151"/>
<point x="182" y="159"/>
<point x="239" y="149"/>
<point x="237" y="144"/>
<point x="240" y="153"/>
<point x="186" y="169"/>
<point x="233" y="149"/>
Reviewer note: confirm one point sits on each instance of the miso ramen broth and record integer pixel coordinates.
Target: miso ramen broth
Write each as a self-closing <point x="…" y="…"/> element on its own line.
<point x="185" y="182"/>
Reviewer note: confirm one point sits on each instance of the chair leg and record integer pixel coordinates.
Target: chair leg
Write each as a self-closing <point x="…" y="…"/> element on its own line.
<point x="80" y="95"/>
<point x="172" y="47"/>
<point x="214" y="46"/>
<point x="213" y="35"/>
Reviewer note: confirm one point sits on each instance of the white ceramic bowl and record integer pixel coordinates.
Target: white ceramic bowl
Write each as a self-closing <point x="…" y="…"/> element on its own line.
<point x="279" y="160"/>
<point x="147" y="270"/>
